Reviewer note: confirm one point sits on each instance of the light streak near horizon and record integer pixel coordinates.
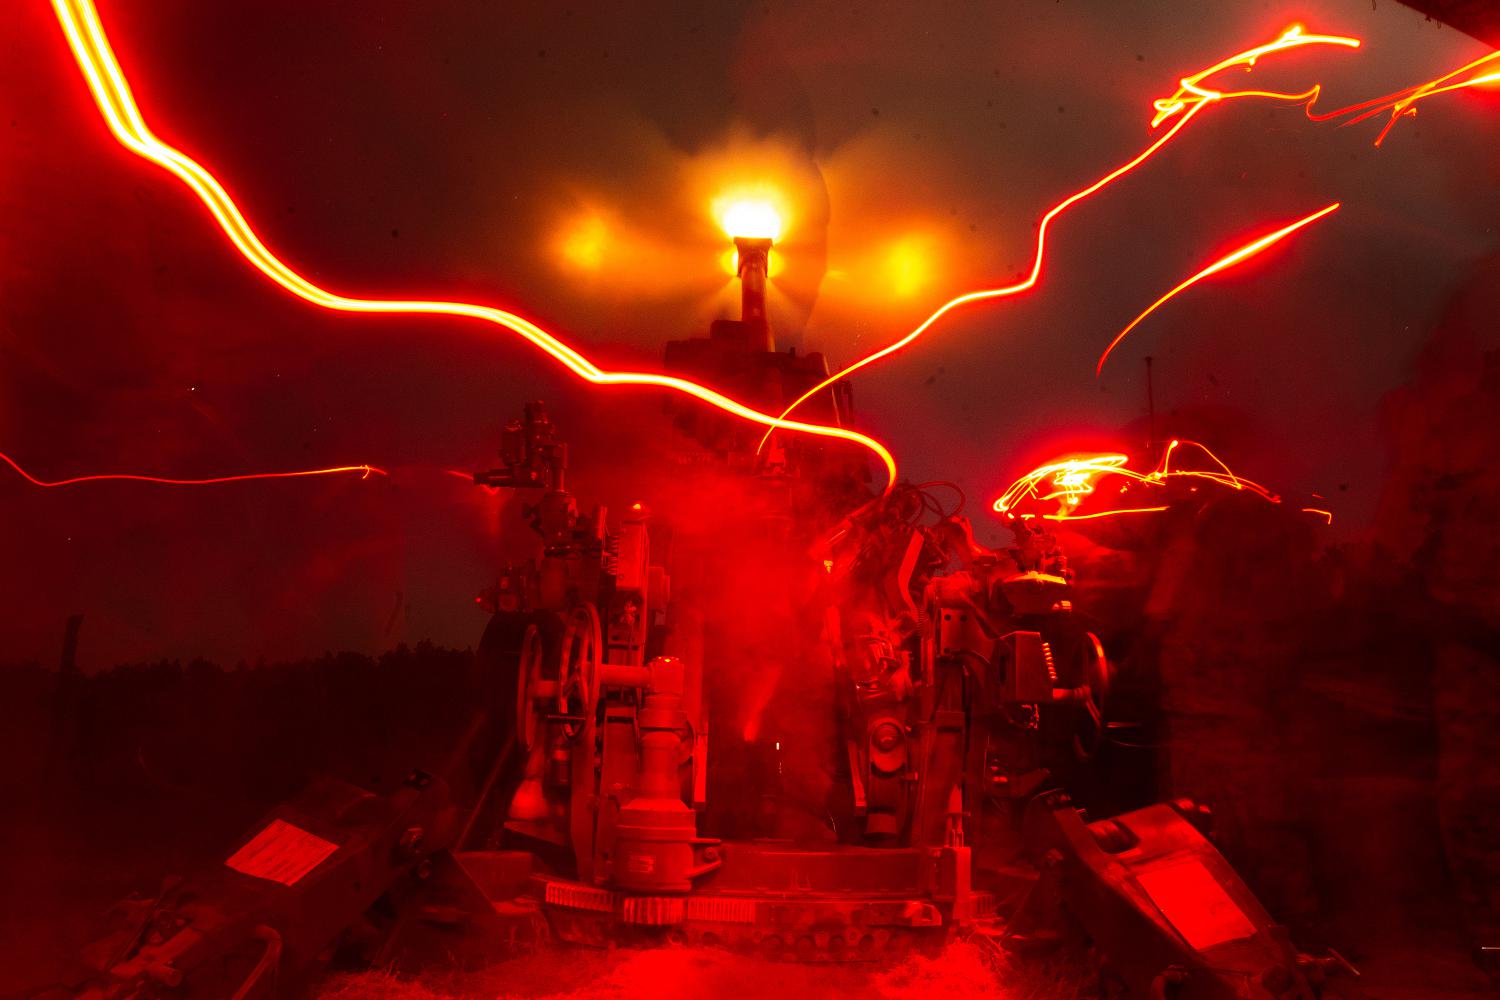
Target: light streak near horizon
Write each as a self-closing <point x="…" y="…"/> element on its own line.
<point x="1103" y="513"/>
<point x="106" y="81"/>
<point x="1229" y="260"/>
<point x="365" y="471"/>
<point x="1069" y="481"/>
<point x="1190" y="99"/>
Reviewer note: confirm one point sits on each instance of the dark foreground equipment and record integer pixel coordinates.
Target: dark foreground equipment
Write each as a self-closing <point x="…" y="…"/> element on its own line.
<point x="307" y="880"/>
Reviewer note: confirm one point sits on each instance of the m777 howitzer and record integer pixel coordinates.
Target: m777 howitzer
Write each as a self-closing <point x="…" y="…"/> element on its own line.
<point x="774" y="713"/>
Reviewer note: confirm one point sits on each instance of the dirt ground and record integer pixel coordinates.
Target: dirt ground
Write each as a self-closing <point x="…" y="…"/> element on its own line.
<point x="57" y="886"/>
<point x="961" y="972"/>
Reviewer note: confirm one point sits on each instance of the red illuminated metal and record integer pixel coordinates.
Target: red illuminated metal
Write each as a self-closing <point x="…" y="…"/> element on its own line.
<point x="1225" y="262"/>
<point x="1190" y="98"/>
<point x="365" y="471"/>
<point x="111" y="91"/>
<point x="1069" y="481"/>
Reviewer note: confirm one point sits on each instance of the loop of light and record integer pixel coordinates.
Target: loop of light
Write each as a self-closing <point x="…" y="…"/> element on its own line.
<point x="1187" y="102"/>
<point x="1190" y="92"/>
<point x="1068" y="481"/>
<point x="90" y="46"/>
<point x="365" y="471"/>
<point x="1223" y="263"/>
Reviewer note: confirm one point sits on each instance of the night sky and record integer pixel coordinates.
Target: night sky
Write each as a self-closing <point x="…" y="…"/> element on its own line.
<point x="558" y="160"/>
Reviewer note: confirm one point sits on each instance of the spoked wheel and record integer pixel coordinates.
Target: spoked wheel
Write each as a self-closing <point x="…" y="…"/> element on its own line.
<point x="1076" y="730"/>
<point x="505" y="661"/>
<point x="528" y="680"/>
<point x="1090" y="666"/>
<point x="580" y="661"/>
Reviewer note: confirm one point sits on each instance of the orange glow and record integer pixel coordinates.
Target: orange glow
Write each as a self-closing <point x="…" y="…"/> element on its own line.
<point x="1223" y="263"/>
<point x="754" y="218"/>
<point x="365" y="471"/>
<point x="90" y="46"/>
<point x="583" y="246"/>
<point x="1069" y="481"/>
<point x="908" y="265"/>
<point x="1327" y="514"/>
<point x="1190" y="99"/>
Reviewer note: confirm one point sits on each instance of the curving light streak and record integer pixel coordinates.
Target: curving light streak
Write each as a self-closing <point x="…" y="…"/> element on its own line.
<point x="1223" y="263"/>
<point x="988" y="293"/>
<point x="1072" y="479"/>
<point x="90" y="46"/>
<point x="365" y="471"/>
<point x="1187" y="102"/>
<point x="1068" y="481"/>
<point x="1103" y="513"/>
<point x="1191" y="94"/>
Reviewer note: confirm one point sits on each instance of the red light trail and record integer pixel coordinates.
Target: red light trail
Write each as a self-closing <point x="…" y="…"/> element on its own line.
<point x="1068" y="481"/>
<point x="91" y="49"/>
<point x="1189" y="99"/>
<point x="1190" y="94"/>
<point x="365" y="471"/>
<point x="111" y="91"/>
<point x="1229" y="260"/>
<point x="1403" y="103"/>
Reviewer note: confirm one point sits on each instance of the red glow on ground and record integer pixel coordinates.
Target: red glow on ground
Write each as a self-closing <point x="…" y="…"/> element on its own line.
<point x="90" y="46"/>
<point x="963" y="970"/>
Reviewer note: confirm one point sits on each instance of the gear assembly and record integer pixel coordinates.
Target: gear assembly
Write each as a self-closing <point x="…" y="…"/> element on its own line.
<point x="811" y="721"/>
